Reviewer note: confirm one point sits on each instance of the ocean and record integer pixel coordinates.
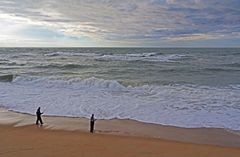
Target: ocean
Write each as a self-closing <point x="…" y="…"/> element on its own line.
<point x="186" y="87"/>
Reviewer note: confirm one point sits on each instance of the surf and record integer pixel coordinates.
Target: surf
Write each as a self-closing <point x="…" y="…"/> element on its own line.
<point x="184" y="105"/>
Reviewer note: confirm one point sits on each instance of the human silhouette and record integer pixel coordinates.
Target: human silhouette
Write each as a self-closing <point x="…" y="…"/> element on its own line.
<point x="39" y="113"/>
<point x="92" y="121"/>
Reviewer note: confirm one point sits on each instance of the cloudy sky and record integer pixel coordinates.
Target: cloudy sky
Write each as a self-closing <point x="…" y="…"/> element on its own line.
<point x="148" y="23"/>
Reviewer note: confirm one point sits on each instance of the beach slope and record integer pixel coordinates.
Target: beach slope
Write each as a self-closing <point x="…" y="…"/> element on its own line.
<point x="31" y="140"/>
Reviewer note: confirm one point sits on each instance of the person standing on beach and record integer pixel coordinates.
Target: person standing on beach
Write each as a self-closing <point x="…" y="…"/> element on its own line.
<point x="92" y="121"/>
<point x="39" y="118"/>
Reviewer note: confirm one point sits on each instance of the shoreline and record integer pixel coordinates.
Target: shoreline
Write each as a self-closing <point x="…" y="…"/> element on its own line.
<point x="129" y="128"/>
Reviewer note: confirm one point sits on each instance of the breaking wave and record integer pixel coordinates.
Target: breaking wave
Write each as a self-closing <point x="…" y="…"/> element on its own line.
<point x="183" y="105"/>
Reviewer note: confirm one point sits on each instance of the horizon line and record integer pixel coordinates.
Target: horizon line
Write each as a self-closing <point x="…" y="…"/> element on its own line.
<point x="116" y="47"/>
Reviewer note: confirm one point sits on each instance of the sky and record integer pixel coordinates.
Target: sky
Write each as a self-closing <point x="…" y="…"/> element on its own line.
<point x="119" y="23"/>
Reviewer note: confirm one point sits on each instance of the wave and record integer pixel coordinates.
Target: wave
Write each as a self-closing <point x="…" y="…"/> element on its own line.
<point x="147" y="57"/>
<point x="4" y="60"/>
<point x="237" y="65"/>
<point x="70" y="81"/>
<point x="183" y="105"/>
<point x="150" y="57"/>
<point x="220" y="69"/>
<point x="6" y="78"/>
<point x="142" y="54"/>
<point x="70" y="54"/>
<point x="72" y="66"/>
<point x="61" y="66"/>
<point x="14" y="64"/>
<point x="11" y="63"/>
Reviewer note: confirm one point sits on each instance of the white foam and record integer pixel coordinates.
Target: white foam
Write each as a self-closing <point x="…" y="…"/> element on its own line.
<point x="179" y="105"/>
<point x="59" y="53"/>
<point x="150" y="57"/>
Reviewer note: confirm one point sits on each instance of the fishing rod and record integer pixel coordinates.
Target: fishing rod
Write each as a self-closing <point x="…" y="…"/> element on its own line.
<point x="44" y="110"/>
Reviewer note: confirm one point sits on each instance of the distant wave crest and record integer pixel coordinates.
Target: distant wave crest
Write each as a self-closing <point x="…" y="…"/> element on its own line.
<point x="63" y="66"/>
<point x="148" y="57"/>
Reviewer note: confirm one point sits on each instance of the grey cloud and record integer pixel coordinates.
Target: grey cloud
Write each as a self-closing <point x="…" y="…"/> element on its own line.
<point x="131" y="20"/>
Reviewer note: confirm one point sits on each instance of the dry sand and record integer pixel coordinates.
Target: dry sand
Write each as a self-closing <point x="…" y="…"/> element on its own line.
<point x="69" y="137"/>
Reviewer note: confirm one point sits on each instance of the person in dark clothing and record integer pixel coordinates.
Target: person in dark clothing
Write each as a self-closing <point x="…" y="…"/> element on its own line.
<point x="92" y="121"/>
<point x="39" y="113"/>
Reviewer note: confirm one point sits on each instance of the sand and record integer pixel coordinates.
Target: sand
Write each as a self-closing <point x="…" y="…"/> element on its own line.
<point x="69" y="137"/>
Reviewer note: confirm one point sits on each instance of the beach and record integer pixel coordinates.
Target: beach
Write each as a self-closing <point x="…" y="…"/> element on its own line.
<point x="146" y="78"/>
<point x="62" y="136"/>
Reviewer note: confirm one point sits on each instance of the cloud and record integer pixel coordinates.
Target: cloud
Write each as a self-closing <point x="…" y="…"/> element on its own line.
<point x="126" y="21"/>
<point x="196" y="37"/>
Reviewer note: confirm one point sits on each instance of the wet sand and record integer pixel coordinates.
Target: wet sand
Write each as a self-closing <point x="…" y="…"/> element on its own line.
<point x="61" y="136"/>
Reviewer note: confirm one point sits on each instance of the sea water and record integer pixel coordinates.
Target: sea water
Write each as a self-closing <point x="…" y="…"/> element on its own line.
<point x="187" y="87"/>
